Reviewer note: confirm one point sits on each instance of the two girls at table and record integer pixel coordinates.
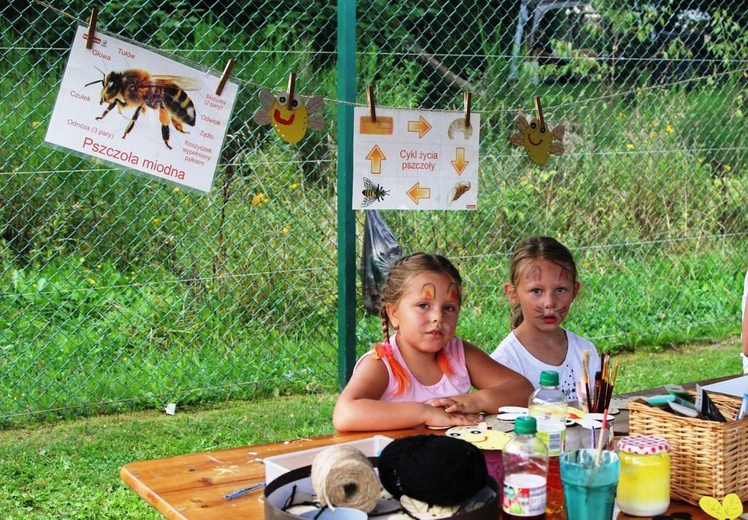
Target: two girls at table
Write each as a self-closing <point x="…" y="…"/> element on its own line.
<point x="424" y="374"/>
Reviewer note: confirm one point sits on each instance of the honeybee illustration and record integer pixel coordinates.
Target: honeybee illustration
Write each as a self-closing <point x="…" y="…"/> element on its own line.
<point x="290" y="122"/>
<point x="140" y="89"/>
<point x="372" y="193"/>
<point x="539" y="141"/>
<point x="460" y="189"/>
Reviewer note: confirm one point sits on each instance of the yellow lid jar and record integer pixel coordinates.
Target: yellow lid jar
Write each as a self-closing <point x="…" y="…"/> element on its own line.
<point x="644" y="481"/>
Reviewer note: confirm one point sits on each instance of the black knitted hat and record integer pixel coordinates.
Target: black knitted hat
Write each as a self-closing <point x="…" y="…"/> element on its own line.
<point x="432" y="468"/>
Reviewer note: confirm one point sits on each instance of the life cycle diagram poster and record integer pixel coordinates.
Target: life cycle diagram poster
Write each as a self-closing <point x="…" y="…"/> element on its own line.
<point x="132" y="107"/>
<point x="411" y="159"/>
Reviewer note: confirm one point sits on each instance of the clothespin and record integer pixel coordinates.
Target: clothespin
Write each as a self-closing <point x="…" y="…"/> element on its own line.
<point x="468" y="101"/>
<point x="225" y="77"/>
<point x="372" y="103"/>
<point x="291" y="87"/>
<point x="539" y="111"/>
<point x="92" y="27"/>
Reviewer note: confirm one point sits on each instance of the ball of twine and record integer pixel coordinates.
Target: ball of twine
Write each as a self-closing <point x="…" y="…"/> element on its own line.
<point x="342" y="476"/>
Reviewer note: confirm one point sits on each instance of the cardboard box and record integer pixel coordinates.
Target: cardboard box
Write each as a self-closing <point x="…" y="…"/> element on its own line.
<point x="280" y="464"/>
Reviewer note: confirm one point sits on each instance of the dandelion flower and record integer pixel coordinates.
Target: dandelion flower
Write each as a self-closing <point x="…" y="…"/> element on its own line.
<point x="294" y="186"/>
<point x="156" y="220"/>
<point x="285" y="230"/>
<point x="668" y="129"/>
<point x="630" y="146"/>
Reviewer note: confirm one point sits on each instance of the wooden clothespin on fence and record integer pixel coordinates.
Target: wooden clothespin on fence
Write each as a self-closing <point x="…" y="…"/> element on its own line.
<point x="372" y="103"/>
<point x="468" y="102"/>
<point x="92" y="27"/>
<point x="539" y="112"/>
<point x="225" y="77"/>
<point x="291" y="87"/>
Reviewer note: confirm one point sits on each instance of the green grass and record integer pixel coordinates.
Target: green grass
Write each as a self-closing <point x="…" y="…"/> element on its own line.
<point x="70" y="469"/>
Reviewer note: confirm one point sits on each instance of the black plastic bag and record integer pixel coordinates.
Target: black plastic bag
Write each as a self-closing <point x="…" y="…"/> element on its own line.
<point x="380" y="251"/>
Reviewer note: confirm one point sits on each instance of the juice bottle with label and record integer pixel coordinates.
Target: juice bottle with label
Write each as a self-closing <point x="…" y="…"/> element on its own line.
<point x="525" y="459"/>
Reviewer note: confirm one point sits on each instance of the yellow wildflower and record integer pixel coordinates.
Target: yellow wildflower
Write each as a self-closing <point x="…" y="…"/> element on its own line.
<point x="654" y="134"/>
<point x="630" y="146"/>
<point x="285" y="230"/>
<point x="294" y="186"/>
<point x="668" y="129"/>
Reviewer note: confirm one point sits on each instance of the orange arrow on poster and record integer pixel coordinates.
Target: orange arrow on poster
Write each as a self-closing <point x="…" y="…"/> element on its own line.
<point x="421" y="126"/>
<point x="460" y="163"/>
<point x="376" y="156"/>
<point x="417" y="193"/>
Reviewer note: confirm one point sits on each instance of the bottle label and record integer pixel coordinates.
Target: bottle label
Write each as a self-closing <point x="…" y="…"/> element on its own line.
<point x="524" y="494"/>
<point x="554" y="440"/>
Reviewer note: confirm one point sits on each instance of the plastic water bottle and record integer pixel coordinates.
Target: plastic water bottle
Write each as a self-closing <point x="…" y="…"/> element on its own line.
<point x="549" y="406"/>
<point x="525" y="459"/>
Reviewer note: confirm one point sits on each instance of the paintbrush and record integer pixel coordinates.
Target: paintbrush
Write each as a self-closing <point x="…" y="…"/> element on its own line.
<point x="586" y="377"/>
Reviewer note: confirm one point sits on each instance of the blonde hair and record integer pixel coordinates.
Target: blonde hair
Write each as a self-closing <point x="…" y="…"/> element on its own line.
<point x="398" y="281"/>
<point x="537" y="248"/>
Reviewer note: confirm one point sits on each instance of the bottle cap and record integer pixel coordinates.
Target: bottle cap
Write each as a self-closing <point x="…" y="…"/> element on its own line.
<point x="643" y="444"/>
<point x="525" y="424"/>
<point x="549" y="378"/>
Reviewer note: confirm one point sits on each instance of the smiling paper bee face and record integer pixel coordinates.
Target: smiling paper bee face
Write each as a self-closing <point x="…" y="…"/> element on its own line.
<point x="480" y="436"/>
<point x="290" y="122"/>
<point x="539" y="141"/>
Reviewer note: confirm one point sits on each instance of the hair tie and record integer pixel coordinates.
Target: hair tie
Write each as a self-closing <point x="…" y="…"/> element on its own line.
<point x="384" y="350"/>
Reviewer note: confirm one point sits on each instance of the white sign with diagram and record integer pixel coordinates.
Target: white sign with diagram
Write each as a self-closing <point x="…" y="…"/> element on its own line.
<point x="415" y="160"/>
<point x="127" y="105"/>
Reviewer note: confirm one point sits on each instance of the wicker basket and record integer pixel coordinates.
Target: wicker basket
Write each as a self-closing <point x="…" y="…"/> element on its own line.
<point x="708" y="458"/>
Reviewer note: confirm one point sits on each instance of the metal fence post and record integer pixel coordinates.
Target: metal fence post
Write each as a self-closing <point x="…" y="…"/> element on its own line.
<point x="346" y="215"/>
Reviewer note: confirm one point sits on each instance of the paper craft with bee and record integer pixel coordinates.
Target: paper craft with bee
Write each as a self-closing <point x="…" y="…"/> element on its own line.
<point x="539" y="140"/>
<point x="288" y="114"/>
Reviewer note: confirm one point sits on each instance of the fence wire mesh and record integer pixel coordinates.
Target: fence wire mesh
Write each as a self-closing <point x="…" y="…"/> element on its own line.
<point x="119" y="291"/>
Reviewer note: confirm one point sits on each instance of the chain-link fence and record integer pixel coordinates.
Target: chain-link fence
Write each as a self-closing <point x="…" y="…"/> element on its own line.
<point x="121" y="291"/>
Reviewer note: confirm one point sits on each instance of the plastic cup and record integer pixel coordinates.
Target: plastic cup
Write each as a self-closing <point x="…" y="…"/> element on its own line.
<point x="589" y="490"/>
<point x="591" y="435"/>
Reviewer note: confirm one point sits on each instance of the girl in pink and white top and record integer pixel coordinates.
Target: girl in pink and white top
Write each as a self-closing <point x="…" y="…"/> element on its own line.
<point x="423" y="374"/>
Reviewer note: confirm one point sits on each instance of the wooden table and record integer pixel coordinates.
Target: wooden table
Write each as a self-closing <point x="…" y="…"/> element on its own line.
<point x="192" y="486"/>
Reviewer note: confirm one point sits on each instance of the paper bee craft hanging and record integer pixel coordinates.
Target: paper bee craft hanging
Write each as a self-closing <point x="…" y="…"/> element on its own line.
<point x="288" y="114"/>
<point x="538" y="139"/>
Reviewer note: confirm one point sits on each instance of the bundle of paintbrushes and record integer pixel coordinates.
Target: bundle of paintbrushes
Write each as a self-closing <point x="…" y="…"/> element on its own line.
<point x="599" y="391"/>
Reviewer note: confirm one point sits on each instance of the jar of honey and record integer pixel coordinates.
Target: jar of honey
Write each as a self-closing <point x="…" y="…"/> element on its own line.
<point x="644" y="481"/>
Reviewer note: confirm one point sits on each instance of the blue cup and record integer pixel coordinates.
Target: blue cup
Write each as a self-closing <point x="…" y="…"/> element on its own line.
<point x="589" y="489"/>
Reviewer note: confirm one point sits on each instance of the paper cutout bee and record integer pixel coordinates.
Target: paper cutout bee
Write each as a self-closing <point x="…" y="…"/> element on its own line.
<point x="730" y="508"/>
<point x="290" y="122"/>
<point x="539" y="141"/>
<point x="480" y="436"/>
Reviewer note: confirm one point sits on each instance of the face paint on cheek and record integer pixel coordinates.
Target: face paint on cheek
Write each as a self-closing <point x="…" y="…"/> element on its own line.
<point x="452" y="292"/>
<point x="428" y="292"/>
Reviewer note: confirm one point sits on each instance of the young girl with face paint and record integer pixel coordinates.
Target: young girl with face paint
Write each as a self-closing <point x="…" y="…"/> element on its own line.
<point x="423" y="374"/>
<point x="541" y="289"/>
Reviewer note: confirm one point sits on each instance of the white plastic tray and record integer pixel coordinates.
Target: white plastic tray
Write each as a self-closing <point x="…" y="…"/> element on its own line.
<point x="280" y="464"/>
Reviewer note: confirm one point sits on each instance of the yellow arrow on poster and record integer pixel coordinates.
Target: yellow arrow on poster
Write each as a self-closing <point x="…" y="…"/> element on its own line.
<point x="376" y="156"/>
<point x="417" y="193"/>
<point x="460" y="163"/>
<point x="421" y="126"/>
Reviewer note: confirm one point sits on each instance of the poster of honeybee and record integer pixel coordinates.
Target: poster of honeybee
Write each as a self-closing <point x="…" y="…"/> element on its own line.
<point x="130" y="106"/>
